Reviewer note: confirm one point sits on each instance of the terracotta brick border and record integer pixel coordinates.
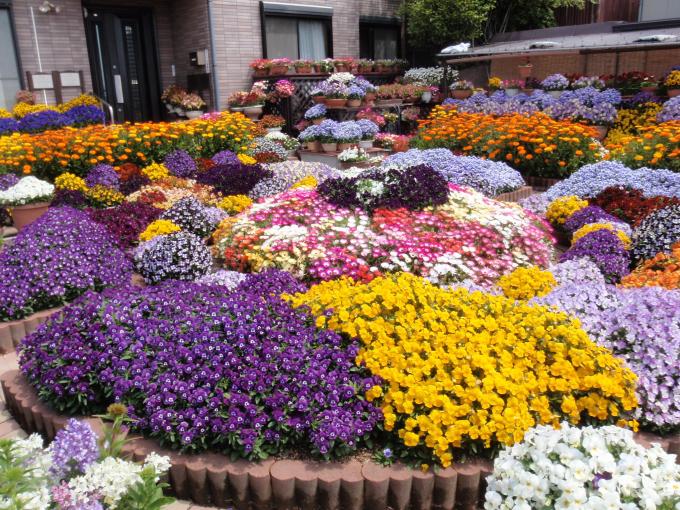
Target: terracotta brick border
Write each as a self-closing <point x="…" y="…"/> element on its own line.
<point x="290" y="484"/>
<point x="540" y="183"/>
<point x="11" y="333"/>
<point x="515" y="196"/>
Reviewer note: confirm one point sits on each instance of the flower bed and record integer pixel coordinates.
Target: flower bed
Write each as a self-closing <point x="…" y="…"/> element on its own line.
<point x="76" y="150"/>
<point x="549" y="148"/>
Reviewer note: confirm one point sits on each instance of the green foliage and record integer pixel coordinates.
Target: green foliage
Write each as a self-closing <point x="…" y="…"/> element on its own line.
<point x="15" y="478"/>
<point x="146" y="495"/>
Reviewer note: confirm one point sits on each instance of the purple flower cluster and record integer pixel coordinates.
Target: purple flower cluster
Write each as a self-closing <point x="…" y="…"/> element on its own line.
<point x="590" y="180"/>
<point x="592" y="214"/>
<point x="177" y="256"/>
<point x="69" y="198"/>
<point x="42" y="121"/>
<point x="8" y="126"/>
<point x="200" y="368"/>
<point x="555" y="81"/>
<point x="56" y="259"/>
<point x="670" y="110"/>
<point x="588" y="103"/>
<point x="223" y="277"/>
<point x="134" y="183"/>
<point x="640" y="325"/>
<point x="74" y="449"/>
<point x="190" y="215"/>
<point x="415" y="187"/>
<point x="180" y="163"/>
<point x="7" y="181"/>
<point x="126" y="221"/>
<point x="347" y="132"/>
<point x="488" y="177"/>
<point x="368" y="129"/>
<point x="233" y="178"/>
<point x="287" y="173"/>
<point x="605" y="250"/>
<point x="84" y="115"/>
<point x="225" y="157"/>
<point x="656" y="233"/>
<point x="103" y="175"/>
<point x="316" y="112"/>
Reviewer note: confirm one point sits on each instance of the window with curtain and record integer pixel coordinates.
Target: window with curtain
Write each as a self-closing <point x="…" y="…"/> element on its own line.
<point x="296" y="38"/>
<point x="10" y="82"/>
<point x="379" y="41"/>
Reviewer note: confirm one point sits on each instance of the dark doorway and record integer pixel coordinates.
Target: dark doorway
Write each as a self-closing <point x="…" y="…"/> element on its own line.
<point x="122" y="51"/>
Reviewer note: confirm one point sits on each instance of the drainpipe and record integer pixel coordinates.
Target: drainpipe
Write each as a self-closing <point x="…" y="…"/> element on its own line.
<point x="213" y="60"/>
<point x="37" y="49"/>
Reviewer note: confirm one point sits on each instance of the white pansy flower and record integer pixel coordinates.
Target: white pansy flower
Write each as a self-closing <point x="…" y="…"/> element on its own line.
<point x="27" y="191"/>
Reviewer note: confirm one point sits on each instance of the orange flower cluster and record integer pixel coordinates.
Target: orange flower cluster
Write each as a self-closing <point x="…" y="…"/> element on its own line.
<point x="75" y="150"/>
<point x="663" y="270"/>
<point x="657" y="146"/>
<point x="533" y="144"/>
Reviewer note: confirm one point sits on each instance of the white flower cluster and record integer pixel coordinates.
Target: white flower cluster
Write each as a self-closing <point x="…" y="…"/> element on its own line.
<point x="28" y="190"/>
<point x="353" y="154"/>
<point x="428" y="76"/>
<point x="585" y="468"/>
<point x="343" y="78"/>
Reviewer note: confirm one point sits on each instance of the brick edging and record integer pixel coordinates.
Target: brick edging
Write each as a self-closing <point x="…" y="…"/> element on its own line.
<point x="211" y="478"/>
<point x="515" y="196"/>
<point x="11" y="333"/>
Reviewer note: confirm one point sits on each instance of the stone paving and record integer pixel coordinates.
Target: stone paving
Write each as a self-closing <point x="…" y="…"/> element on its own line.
<point x="11" y="429"/>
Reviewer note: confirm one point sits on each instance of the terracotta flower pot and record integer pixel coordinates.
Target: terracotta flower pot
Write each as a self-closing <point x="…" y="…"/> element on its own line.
<point x="319" y="99"/>
<point x="601" y="132"/>
<point x="304" y="70"/>
<point x="366" y="144"/>
<point x="314" y="146"/>
<point x="353" y="103"/>
<point x="461" y="94"/>
<point x="649" y="90"/>
<point x="379" y="68"/>
<point x="525" y="70"/>
<point x="259" y="73"/>
<point x="673" y="92"/>
<point x="318" y="121"/>
<point x="335" y="102"/>
<point x="364" y="69"/>
<point x="341" y="68"/>
<point x="329" y="147"/>
<point x="344" y="146"/>
<point x="23" y="215"/>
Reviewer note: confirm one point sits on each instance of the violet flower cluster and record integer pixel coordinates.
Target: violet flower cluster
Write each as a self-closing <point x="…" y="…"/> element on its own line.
<point x="590" y="180"/>
<point x="56" y="259"/>
<point x="176" y="256"/>
<point x="287" y="173"/>
<point x="274" y="151"/>
<point x="488" y="177"/>
<point x="233" y="178"/>
<point x="656" y="233"/>
<point x="190" y="215"/>
<point x="83" y="115"/>
<point x="368" y="129"/>
<point x="640" y="325"/>
<point x="180" y="163"/>
<point x="593" y="214"/>
<point x="241" y="372"/>
<point x="605" y="250"/>
<point x="670" y="110"/>
<point x="226" y="157"/>
<point x="126" y="221"/>
<point x="555" y="81"/>
<point x="44" y="120"/>
<point x="317" y="111"/>
<point x="103" y="175"/>
<point x="74" y="449"/>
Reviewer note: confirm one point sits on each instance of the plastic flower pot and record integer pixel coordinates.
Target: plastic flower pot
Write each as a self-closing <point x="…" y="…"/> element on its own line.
<point x="236" y="108"/>
<point x="555" y="93"/>
<point x="366" y="144"/>
<point x="601" y="131"/>
<point x="319" y="120"/>
<point x="169" y="107"/>
<point x="344" y="146"/>
<point x="379" y="68"/>
<point x="511" y="92"/>
<point x="649" y="90"/>
<point x="341" y="68"/>
<point x="314" y="146"/>
<point x="23" y="215"/>
<point x="253" y="112"/>
<point x="353" y="103"/>
<point x="319" y="99"/>
<point x="292" y="153"/>
<point x="673" y="92"/>
<point x="461" y="94"/>
<point x="259" y="73"/>
<point x="274" y="129"/>
<point x="329" y="146"/>
<point x="525" y="70"/>
<point x="303" y="69"/>
<point x="193" y="114"/>
<point x="426" y="97"/>
<point x="278" y="70"/>
<point x="365" y="69"/>
<point x="528" y="92"/>
<point x="335" y="102"/>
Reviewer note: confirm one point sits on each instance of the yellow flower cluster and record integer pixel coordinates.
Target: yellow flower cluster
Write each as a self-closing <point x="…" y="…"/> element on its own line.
<point x="464" y="369"/>
<point x="525" y="283"/>
<point x="561" y="208"/>
<point x="22" y="109"/>
<point x="630" y="120"/>
<point x="234" y="204"/>
<point x="71" y="182"/>
<point x="103" y="196"/>
<point x="495" y="82"/>
<point x="4" y="114"/>
<point x="246" y="160"/>
<point x="156" y="171"/>
<point x="306" y="182"/>
<point x="158" y="228"/>
<point x="592" y="227"/>
<point x="81" y="100"/>
<point x="673" y="80"/>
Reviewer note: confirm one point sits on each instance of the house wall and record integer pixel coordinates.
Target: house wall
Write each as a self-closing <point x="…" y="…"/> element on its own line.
<point x="655" y="62"/>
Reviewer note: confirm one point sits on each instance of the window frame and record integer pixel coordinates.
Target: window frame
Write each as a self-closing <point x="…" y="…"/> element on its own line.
<point x="372" y="23"/>
<point x="7" y="4"/>
<point x="297" y="12"/>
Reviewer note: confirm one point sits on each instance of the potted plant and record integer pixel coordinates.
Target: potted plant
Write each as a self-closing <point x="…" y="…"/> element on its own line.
<point x="648" y="84"/>
<point x="272" y="123"/>
<point x="461" y="89"/>
<point x="364" y="66"/>
<point x="253" y="101"/>
<point x="531" y="84"/>
<point x="356" y="157"/>
<point x="236" y="101"/>
<point x="494" y="84"/>
<point x="390" y="94"/>
<point x="355" y="95"/>
<point x="343" y="65"/>
<point x="323" y="66"/>
<point x="303" y="66"/>
<point x="336" y="94"/>
<point x="310" y="138"/>
<point x="326" y="137"/>
<point x="316" y="114"/>
<point x="347" y="134"/>
<point x="175" y="99"/>
<point x="279" y="66"/>
<point x="525" y="70"/>
<point x="369" y="130"/>
<point x="672" y="83"/>
<point x="555" y="84"/>
<point x="170" y="95"/>
<point x="287" y="142"/>
<point x="27" y="200"/>
<point x="193" y="106"/>
<point x="260" y="67"/>
<point x="512" y="87"/>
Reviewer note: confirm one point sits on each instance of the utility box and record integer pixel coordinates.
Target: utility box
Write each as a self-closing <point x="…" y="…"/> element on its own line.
<point x="197" y="58"/>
